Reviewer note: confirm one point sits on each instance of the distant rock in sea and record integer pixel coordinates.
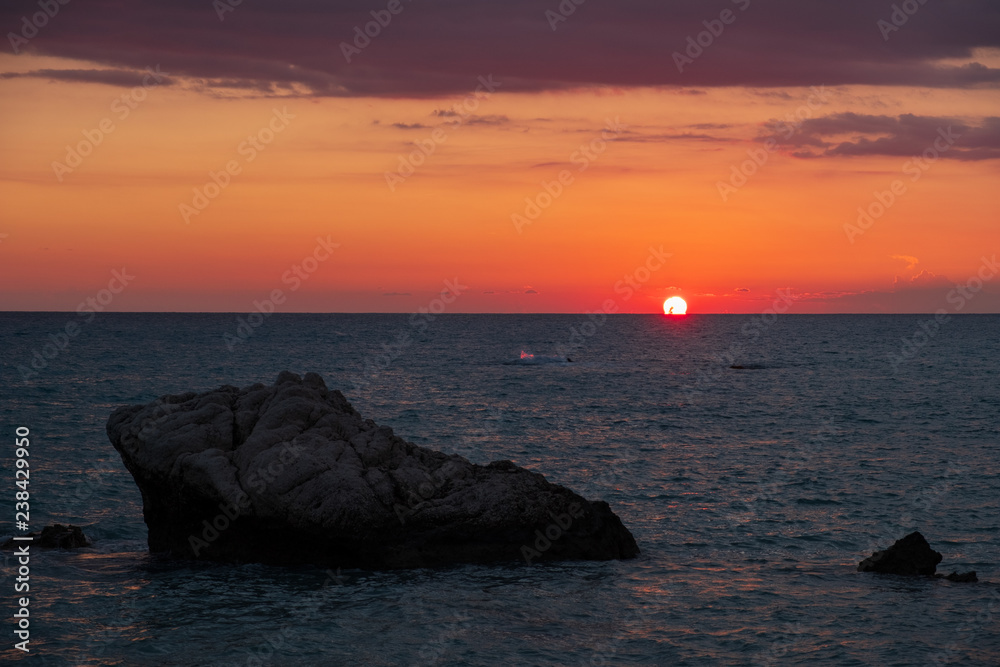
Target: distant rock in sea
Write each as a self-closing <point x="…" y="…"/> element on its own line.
<point x="56" y="536"/>
<point x="910" y="556"/>
<point x="291" y="473"/>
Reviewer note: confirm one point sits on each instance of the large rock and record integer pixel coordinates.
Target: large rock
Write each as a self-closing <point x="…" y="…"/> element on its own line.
<point x="911" y="555"/>
<point x="291" y="473"/>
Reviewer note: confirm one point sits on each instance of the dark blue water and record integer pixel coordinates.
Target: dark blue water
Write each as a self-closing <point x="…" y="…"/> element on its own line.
<point x="753" y="493"/>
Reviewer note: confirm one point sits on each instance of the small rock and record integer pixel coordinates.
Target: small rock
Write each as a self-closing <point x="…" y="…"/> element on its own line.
<point x="910" y="556"/>
<point x="56" y="536"/>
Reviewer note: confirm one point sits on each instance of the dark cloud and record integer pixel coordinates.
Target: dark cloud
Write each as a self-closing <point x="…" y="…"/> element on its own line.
<point x="410" y="126"/>
<point x="442" y="47"/>
<point x="470" y="119"/>
<point x="851" y="134"/>
<point x="111" y="77"/>
<point x="922" y="280"/>
<point x="742" y="289"/>
<point x="924" y="292"/>
<point x="916" y="300"/>
<point x="655" y="138"/>
<point x="492" y="119"/>
<point x="265" y="88"/>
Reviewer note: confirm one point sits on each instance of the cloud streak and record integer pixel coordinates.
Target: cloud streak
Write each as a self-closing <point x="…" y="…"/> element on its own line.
<point x="851" y="134"/>
<point x="110" y="77"/>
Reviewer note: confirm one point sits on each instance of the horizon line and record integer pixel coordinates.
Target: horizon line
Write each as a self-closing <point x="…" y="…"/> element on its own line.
<point x="410" y="312"/>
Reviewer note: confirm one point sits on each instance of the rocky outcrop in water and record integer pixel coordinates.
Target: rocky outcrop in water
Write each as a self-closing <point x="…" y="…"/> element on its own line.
<point x="56" y="536"/>
<point x="291" y="473"/>
<point x="910" y="556"/>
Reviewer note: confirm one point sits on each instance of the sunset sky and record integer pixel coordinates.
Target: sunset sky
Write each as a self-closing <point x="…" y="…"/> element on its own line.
<point x="633" y="141"/>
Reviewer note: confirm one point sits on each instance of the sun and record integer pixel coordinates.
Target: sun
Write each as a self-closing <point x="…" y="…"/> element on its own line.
<point x="675" y="306"/>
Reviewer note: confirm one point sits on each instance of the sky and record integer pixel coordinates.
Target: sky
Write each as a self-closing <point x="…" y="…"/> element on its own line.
<point x="536" y="157"/>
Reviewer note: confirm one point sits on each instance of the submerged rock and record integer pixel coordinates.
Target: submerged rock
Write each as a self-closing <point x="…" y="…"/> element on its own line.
<point x="910" y="556"/>
<point x="291" y="473"/>
<point x="56" y="536"/>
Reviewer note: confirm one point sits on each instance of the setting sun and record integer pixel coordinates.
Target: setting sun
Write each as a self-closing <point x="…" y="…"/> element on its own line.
<point x="675" y="306"/>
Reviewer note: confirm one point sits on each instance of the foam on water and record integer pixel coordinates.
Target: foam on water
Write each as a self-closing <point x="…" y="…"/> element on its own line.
<point x="531" y="359"/>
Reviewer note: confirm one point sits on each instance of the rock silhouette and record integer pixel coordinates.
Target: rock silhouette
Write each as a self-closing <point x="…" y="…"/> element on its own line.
<point x="910" y="556"/>
<point x="56" y="536"/>
<point x="291" y="473"/>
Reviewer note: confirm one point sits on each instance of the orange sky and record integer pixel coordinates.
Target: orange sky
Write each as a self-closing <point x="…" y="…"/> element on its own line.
<point x="654" y="185"/>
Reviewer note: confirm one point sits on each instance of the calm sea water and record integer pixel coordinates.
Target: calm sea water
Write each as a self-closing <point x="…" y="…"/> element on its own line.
<point x="752" y="493"/>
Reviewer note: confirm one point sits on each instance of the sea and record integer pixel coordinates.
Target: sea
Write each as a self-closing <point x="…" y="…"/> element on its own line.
<point x="753" y="492"/>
